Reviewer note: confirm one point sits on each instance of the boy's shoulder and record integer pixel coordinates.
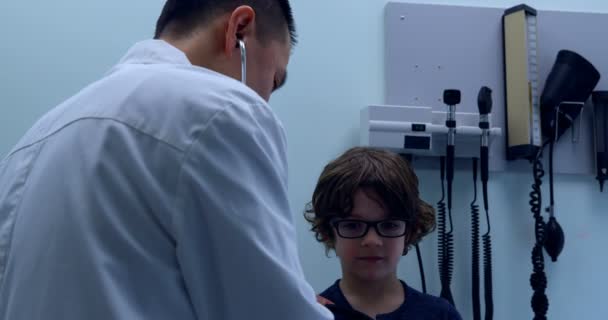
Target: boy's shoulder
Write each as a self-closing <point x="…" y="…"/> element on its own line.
<point x="417" y="305"/>
<point x="334" y="294"/>
<point x="339" y="306"/>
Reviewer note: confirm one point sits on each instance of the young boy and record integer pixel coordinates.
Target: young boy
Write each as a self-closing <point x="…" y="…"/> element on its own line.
<point x="366" y="207"/>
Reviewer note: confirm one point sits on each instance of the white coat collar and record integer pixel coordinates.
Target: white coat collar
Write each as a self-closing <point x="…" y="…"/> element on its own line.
<point x="154" y="51"/>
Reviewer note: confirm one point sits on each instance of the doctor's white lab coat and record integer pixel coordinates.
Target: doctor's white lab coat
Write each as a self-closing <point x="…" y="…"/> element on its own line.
<point x="158" y="192"/>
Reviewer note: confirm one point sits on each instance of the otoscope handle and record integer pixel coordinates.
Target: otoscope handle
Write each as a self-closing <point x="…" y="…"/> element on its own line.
<point x="450" y="163"/>
<point x="484" y="175"/>
<point x="450" y="172"/>
<point x="484" y="164"/>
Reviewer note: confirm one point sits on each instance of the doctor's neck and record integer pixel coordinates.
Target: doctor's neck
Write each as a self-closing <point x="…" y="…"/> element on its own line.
<point x="206" y="48"/>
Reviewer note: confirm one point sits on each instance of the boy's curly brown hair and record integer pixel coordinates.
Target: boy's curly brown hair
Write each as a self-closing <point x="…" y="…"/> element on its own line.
<point x="387" y="174"/>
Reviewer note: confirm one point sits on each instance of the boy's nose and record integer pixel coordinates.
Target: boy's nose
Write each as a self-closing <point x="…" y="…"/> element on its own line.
<point x="372" y="238"/>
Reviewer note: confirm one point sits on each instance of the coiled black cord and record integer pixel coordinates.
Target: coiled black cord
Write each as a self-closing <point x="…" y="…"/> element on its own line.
<point x="449" y="265"/>
<point x="449" y="236"/>
<point x="538" y="279"/>
<point x="441" y="214"/>
<point x="421" y="267"/>
<point x="444" y="246"/>
<point x="487" y="272"/>
<point x="475" y="247"/>
<point x="487" y="240"/>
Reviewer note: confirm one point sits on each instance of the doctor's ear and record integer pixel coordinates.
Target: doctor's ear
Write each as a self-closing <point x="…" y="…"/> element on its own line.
<point x="240" y="25"/>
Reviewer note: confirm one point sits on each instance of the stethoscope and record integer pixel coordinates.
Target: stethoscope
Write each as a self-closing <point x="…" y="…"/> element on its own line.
<point x="241" y="45"/>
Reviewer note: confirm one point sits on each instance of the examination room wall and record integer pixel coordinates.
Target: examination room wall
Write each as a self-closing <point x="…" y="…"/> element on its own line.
<point x="50" y="49"/>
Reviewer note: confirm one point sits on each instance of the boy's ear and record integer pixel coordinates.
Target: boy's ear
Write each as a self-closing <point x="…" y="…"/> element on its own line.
<point x="407" y="244"/>
<point x="326" y="238"/>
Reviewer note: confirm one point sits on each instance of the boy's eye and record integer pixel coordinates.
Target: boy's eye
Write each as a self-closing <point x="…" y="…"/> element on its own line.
<point x="389" y="225"/>
<point x="351" y="225"/>
<point x="392" y="224"/>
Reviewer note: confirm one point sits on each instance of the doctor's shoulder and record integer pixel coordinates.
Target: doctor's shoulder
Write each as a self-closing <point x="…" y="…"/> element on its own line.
<point x="194" y="87"/>
<point x="196" y="97"/>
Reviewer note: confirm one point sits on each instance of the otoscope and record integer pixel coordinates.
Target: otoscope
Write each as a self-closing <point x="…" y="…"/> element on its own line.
<point x="484" y="103"/>
<point x="451" y="97"/>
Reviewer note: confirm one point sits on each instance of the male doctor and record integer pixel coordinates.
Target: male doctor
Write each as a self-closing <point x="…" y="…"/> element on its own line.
<point x="160" y="191"/>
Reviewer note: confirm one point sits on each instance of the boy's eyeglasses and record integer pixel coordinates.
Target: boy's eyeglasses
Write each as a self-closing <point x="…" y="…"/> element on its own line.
<point x="353" y="228"/>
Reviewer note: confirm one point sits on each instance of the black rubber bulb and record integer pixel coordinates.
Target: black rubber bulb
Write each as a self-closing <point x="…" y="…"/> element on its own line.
<point x="554" y="241"/>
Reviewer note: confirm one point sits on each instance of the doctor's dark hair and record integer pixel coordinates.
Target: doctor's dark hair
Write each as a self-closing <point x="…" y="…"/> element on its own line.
<point x="387" y="174"/>
<point x="181" y="17"/>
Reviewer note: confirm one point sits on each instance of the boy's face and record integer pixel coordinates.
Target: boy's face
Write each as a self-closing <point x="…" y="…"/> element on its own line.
<point x="371" y="257"/>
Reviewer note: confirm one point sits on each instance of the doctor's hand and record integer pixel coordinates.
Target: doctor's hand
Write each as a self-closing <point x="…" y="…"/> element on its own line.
<point x="323" y="301"/>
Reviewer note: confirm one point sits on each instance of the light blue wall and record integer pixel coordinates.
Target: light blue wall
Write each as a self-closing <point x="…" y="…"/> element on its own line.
<point x="52" y="48"/>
